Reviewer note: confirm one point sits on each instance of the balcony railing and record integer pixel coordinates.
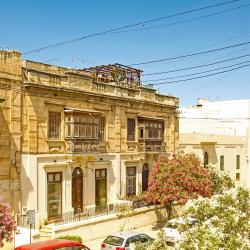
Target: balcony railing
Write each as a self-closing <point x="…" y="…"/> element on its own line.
<point x="86" y="146"/>
<point x="22" y="220"/>
<point x="151" y="146"/>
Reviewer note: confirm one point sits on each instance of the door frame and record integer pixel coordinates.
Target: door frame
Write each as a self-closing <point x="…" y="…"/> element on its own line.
<point x="106" y="187"/>
<point x="61" y="182"/>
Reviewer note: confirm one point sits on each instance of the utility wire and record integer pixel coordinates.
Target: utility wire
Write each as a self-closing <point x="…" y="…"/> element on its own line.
<point x="196" y="66"/>
<point x="192" y="54"/>
<point x="126" y="27"/>
<point x="215" y="118"/>
<point x="197" y="73"/>
<point x="182" y="21"/>
<point x="199" y="77"/>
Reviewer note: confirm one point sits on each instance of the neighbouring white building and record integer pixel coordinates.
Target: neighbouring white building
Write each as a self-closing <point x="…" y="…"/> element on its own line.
<point x="231" y="117"/>
<point x="218" y="132"/>
<point x="222" y="152"/>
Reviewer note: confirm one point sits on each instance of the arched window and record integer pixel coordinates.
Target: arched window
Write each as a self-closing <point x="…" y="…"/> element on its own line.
<point x="145" y="173"/>
<point x="205" y="159"/>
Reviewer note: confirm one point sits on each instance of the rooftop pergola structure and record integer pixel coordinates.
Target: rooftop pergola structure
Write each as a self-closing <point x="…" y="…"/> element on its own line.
<point x="117" y="73"/>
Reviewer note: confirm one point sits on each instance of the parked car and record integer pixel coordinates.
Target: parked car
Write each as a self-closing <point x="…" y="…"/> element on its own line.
<point x="54" y="245"/>
<point x="123" y="240"/>
<point x="171" y="232"/>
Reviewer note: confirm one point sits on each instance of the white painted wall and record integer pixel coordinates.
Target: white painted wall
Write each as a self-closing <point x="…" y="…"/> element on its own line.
<point x="228" y="146"/>
<point x="216" y="117"/>
<point x="34" y="178"/>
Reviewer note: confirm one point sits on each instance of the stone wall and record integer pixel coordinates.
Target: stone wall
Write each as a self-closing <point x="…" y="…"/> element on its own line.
<point x="95" y="228"/>
<point x="10" y="127"/>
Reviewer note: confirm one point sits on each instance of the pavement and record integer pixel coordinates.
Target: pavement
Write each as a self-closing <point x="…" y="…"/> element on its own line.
<point x="149" y="230"/>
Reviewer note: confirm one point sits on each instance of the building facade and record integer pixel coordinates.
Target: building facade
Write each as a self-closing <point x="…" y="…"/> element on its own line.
<point x="83" y="138"/>
<point x="229" y="117"/>
<point x="227" y="124"/>
<point x="224" y="153"/>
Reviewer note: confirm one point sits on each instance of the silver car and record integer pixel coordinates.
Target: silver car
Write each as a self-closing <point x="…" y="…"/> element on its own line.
<point x="123" y="240"/>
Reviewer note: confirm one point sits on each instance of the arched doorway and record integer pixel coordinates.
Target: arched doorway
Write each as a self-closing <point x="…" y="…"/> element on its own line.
<point x="77" y="189"/>
<point x="145" y="173"/>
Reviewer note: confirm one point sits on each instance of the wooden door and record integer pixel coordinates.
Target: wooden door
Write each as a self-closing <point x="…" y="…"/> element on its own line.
<point x="77" y="190"/>
<point x="145" y="173"/>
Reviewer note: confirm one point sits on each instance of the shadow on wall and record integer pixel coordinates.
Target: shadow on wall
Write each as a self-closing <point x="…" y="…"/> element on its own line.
<point x="209" y="152"/>
<point x="9" y="154"/>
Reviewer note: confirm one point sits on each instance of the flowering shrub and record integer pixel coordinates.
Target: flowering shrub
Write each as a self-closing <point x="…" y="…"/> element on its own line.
<point x="224" y="222"/>
<point x="221" y="181"/>
<point x="177" y="180"/>
<point x="7" y="223"/>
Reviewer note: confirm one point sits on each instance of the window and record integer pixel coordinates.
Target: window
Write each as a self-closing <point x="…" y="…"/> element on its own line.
<point x="101" y="187"/>
<point x="54" y="195"/>
<point x="135" y="239"/>
<point x="222" y="162"/>
<point x="54" y="125"/>
<point x="84" y="126"/>
<point x="131" y="181"/>
<point x="151" y="130"/>
<point x="237" y="176"/>
<point x="131" y="130"/>
<point x="205" y="159"/>
<point x="145" y="174"/>
<point x="237" y="161"/>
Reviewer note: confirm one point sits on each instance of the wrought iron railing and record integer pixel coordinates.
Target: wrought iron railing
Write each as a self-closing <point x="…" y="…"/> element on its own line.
<point x="22" y="220"/>
<point x="93" y="212"/>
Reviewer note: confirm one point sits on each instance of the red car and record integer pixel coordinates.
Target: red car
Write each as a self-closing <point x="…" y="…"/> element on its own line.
<point x="54" y="245"/>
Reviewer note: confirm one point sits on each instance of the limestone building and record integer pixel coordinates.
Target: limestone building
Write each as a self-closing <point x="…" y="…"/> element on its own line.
<point x="225" y="153"/>
<point x="71" y="139"/>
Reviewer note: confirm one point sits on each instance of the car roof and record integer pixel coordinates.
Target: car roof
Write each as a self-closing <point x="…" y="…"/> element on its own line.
<point x="126" y="235"/>
<point x="181" y="220"/>
<point x="48" y="245"/>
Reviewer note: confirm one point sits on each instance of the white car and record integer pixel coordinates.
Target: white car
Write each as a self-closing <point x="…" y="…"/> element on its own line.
<point x="124" y="240"/>
<point x="170" y="230"/>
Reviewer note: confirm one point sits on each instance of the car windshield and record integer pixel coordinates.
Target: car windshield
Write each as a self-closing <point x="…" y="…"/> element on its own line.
<point x="113" y="240"/>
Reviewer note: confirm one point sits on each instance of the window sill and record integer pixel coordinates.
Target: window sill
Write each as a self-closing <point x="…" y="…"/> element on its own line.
<point x="54" y="140"/>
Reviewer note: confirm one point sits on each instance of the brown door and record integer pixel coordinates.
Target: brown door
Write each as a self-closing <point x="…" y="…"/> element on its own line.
<point x="77" y="189"/>
<point x="145" y="174"/>
<point x="131" y="181"/>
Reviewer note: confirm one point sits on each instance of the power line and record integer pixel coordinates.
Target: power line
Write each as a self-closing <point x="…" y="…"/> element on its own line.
<point x="196" y="66"/>
<point x="215" y="118"/>
<point x="192" y="54"/>
<point x="207" y="84"/>
<point x="199" y="77"/>
<point x="182" y="21"/>
<point x="126" y="27"/>
<point x="197" y="73"/>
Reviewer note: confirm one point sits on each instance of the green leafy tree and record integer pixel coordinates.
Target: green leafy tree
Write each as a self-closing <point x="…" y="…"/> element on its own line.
<point x="224" y="222"/>
<point x="221" y="181"/>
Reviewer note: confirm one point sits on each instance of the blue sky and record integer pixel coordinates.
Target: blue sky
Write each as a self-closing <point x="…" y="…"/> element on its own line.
<point x="27" y="25"/>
